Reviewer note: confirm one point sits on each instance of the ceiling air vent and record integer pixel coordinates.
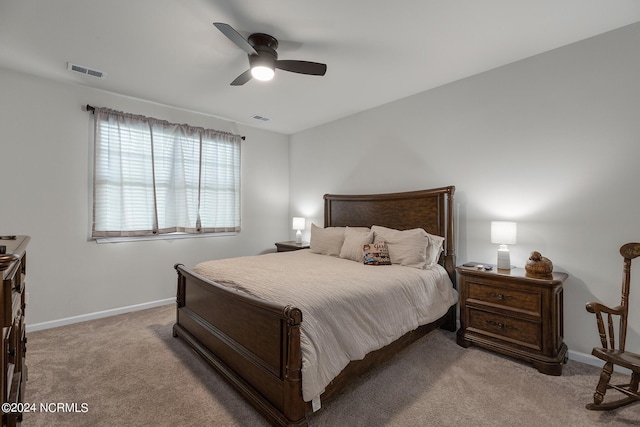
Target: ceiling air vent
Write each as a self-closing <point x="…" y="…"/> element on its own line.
<point x="261" y="118"/>
<point x="85" y="70"/>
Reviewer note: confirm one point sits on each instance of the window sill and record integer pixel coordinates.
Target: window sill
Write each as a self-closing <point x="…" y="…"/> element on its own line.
<point x="171" y="236"/>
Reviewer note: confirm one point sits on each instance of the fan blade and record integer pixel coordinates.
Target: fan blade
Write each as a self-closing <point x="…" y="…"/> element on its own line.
<point x="302" y="67"/>
<point x="242" y="78"/>
<point x="235" y="37"/>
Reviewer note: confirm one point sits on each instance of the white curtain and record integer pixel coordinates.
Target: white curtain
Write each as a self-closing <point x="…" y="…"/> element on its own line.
<point x="154" y="177"/>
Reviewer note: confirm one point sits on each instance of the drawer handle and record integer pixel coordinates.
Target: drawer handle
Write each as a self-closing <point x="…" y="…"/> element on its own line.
<point x="501" y="325"/>
<point x="501" y="296"/>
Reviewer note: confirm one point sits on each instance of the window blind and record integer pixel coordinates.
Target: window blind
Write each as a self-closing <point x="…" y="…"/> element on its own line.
<point x="154" y="177"/>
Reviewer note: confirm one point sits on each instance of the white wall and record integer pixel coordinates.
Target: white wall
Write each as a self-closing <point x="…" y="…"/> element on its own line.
<point x="552" y="142"/>
<point x="44" y="160"/>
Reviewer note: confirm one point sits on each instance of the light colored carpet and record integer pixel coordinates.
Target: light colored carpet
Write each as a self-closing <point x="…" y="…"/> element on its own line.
<point x="130" y="371"/>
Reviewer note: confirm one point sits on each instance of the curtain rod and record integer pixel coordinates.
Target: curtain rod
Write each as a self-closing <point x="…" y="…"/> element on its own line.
<point x="92" y="109"/>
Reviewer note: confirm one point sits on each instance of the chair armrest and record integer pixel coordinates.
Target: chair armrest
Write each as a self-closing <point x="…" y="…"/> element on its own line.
<point x="596" y="307"/>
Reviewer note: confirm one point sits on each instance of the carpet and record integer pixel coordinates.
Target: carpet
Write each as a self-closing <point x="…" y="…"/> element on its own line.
<point x="128" y="370"/>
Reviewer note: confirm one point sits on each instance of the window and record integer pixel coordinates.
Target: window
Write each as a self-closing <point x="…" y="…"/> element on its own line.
<point x="153" y="177"/>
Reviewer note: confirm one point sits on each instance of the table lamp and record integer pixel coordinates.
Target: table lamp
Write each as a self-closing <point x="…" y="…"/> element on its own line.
<point x="298" y="225"/>
<point x="503" y="233"/>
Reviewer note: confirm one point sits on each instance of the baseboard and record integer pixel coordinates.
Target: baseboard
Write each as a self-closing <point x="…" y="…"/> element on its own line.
<point x="98" y="315"/>
<point x="594" y="361"/>
<point x="584" y="358"/>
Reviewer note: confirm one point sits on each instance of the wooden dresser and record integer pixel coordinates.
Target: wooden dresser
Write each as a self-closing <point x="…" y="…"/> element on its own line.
<point x="12" y="305"/>
<point x="511" y="313"/>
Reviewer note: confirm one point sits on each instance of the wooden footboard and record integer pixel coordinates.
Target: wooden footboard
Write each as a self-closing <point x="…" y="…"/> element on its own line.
<point x="253" y="343"/>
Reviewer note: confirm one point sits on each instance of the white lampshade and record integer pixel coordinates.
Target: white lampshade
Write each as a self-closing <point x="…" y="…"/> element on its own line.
<point x="503" y="233"/>
<point x="298" y="224"/>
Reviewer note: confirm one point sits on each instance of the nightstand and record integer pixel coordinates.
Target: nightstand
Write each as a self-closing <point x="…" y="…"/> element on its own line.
<point x="512" y="313"/>
<point x="291" y="245"/>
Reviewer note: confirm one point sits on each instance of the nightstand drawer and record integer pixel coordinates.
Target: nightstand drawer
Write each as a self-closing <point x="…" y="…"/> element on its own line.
<point x="519" y="300"/>
<point x="517" y="331"/>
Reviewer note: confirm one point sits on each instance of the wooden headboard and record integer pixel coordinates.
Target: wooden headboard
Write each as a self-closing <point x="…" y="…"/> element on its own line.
<point x="431" y="210"/>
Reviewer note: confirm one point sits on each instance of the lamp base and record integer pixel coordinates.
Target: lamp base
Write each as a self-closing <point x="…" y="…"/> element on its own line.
<point x="299" y="236"/>
<point x="504" y="258"/>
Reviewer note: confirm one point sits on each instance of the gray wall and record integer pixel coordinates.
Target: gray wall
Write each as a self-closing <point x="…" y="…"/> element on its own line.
<point x="44" y="160"/>
<point x="552" y="142"/>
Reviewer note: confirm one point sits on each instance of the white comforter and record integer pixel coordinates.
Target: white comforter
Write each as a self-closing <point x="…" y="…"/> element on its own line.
<point x="348" y="308"/>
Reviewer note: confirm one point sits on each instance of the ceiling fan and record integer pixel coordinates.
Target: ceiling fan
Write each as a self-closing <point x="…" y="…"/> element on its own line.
<point x="263" y="58"/>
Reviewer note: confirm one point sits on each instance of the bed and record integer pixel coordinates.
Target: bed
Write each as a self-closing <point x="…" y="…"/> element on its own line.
<point x="256" y="343"/>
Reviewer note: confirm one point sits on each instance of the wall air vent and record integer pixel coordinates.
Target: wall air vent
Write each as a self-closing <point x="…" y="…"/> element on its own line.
<point x="261" y="118"/>
<point x="85" y="70"/>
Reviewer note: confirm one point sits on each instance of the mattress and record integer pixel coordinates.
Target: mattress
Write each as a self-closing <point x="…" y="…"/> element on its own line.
<point x="349" y="309"/>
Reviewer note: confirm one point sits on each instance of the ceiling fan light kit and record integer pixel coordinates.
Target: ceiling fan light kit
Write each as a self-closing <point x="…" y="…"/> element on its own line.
<point x="263" y="58"/>
<point x="262" y="73"/>
<point x="262" y="64"/>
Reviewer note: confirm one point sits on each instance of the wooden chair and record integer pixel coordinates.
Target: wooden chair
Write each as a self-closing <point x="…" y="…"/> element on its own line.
<point x="611" y="354"/>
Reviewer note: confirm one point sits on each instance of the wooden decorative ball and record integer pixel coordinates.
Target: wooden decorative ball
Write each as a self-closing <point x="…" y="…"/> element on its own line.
<point x="537" y="265"/>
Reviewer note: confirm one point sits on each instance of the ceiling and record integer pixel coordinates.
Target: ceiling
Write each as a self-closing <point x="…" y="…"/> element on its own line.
<point x="168" y="51"/>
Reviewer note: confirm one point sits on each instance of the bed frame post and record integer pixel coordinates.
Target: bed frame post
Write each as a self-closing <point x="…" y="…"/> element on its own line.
<point x="450" y="323"/>
<point x="450" y="254"/>
<point x="294" y="406"/>
<point x="179" y="297"/>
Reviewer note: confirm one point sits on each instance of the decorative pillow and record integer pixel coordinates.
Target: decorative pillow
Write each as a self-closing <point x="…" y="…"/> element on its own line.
<point x="354" y="239"/>
<point x="326" y="241"/>
<point x="434" y="249"/>
<point x="376" y="254"/>
<point x="406" y="247"/>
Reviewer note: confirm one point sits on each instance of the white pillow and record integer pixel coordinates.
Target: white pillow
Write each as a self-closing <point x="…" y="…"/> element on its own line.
<point x="354" y="239"/>
<point x="326" y="241"/>
<point x="406" y="247"/>
<point x="434" y="249"/>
